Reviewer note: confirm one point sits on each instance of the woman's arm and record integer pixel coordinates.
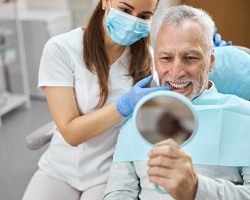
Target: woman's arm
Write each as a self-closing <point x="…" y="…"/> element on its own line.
<point x="76" y="128"/>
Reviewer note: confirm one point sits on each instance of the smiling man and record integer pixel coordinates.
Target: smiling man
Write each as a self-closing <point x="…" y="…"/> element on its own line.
<point x="184" y="56"/>
<point x="215" y="164"/>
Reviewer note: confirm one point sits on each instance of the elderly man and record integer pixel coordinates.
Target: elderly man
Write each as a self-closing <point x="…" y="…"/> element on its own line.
<point x="184" y="56"/>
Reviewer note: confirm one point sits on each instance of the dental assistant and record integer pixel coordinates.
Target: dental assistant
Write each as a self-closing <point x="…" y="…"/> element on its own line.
<point x="92" y="77"/>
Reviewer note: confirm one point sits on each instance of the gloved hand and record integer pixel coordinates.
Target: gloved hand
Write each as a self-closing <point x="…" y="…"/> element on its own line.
<point x="126" y="103"/>
<point x="217" y="40"/>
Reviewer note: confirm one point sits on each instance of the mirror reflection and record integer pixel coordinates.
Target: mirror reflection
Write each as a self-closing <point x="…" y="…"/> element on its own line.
<point x="164" y="117"/>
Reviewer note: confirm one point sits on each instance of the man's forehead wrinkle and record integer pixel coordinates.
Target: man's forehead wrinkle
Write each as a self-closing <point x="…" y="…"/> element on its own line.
<point x="183" y="53"/>
<point x="193" y="52"/>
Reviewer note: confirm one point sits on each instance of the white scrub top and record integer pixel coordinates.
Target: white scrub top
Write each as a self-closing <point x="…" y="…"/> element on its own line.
<point x="62" y="64"/>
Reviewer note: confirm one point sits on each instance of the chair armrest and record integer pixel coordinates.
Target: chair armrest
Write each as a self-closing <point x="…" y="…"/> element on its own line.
<point x="40" y="137"/>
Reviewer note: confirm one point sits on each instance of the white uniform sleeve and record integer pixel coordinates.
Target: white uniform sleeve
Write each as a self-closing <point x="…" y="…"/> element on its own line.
<point x="55" y="66"/>
<point x="217" y="188"/>
<point x="123" y="183"/>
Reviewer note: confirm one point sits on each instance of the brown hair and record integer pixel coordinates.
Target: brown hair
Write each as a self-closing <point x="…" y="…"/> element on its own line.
<point x="96" y="59"/>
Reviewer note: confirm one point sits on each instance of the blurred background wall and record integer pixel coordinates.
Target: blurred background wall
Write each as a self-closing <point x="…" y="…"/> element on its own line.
<point x="232" y="18"/>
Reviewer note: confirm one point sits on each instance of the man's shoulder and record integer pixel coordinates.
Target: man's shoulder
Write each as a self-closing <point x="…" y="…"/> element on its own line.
<point x="209" y="97"/>
<point x="230" y="98"/>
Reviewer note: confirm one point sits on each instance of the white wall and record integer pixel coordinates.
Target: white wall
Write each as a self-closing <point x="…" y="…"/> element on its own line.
<point x="47" y="4"/>
<point x="81" y="11"/>
<point x="41" y="20"/>
<point x="23" y="5"/>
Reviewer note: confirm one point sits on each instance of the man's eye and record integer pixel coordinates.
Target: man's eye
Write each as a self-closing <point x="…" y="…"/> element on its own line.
<point x="190" y="59"/>
<point x="165" y="58"/>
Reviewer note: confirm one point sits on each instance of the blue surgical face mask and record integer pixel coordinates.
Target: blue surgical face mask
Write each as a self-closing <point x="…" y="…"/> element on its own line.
<point x="125" y="29"/>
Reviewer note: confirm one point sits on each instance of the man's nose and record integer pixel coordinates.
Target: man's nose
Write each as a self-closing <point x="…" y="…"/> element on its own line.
<point x="177" y="70"/>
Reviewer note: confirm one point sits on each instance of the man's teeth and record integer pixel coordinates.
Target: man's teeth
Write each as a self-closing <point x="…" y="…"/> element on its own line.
<point x="178" y="85"/>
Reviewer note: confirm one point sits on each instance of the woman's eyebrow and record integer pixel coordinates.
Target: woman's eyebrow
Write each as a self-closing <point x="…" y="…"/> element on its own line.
<point x="126" y="4"/>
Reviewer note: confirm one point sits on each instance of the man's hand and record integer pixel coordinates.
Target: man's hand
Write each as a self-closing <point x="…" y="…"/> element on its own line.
<point x="171" y="168"/>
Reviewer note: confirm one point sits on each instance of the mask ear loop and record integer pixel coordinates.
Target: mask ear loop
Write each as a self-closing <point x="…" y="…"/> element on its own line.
<point x="110" y="4"/>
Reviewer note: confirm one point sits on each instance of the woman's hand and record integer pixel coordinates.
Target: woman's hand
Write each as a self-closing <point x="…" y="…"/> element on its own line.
<point x="218" y="42"/>
<point x="127" y="102"/>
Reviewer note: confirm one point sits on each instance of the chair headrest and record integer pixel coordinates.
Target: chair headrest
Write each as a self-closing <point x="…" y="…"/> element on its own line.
<point x="231" y="74"/>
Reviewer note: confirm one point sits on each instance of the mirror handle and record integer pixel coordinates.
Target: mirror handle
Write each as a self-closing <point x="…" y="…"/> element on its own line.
<point x="159" y="189"/>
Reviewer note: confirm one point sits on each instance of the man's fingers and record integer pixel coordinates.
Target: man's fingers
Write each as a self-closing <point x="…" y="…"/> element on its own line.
<point x="167" y="142"/>
<point x="167" y="150"/>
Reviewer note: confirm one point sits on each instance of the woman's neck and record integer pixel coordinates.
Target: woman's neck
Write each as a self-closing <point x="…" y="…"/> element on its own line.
<point x="114" y="51"/>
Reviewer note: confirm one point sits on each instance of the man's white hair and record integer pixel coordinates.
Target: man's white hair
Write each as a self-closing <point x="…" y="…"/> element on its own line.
<point x="176" y="15"/>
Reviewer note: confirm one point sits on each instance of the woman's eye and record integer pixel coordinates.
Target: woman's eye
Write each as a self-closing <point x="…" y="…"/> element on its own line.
<point x="125" y="10"/>
<point x="145" y="17"/>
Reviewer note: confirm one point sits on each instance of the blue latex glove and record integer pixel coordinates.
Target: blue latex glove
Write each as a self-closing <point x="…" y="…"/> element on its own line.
<point x="217" y="40"/>
<point x="126" y="103"/>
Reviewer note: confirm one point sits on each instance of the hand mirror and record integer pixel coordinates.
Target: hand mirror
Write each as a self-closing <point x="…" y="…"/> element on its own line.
<point x="163" y="115"/>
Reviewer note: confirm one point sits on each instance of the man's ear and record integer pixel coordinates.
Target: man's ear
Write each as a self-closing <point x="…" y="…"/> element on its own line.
<point x="212" y="61"/>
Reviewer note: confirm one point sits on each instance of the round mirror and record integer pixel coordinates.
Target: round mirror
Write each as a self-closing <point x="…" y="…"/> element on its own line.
<point x="163" y="115"/>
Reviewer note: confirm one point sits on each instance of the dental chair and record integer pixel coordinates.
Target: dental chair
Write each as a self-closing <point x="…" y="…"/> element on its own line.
<point x="231" y="76"/>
